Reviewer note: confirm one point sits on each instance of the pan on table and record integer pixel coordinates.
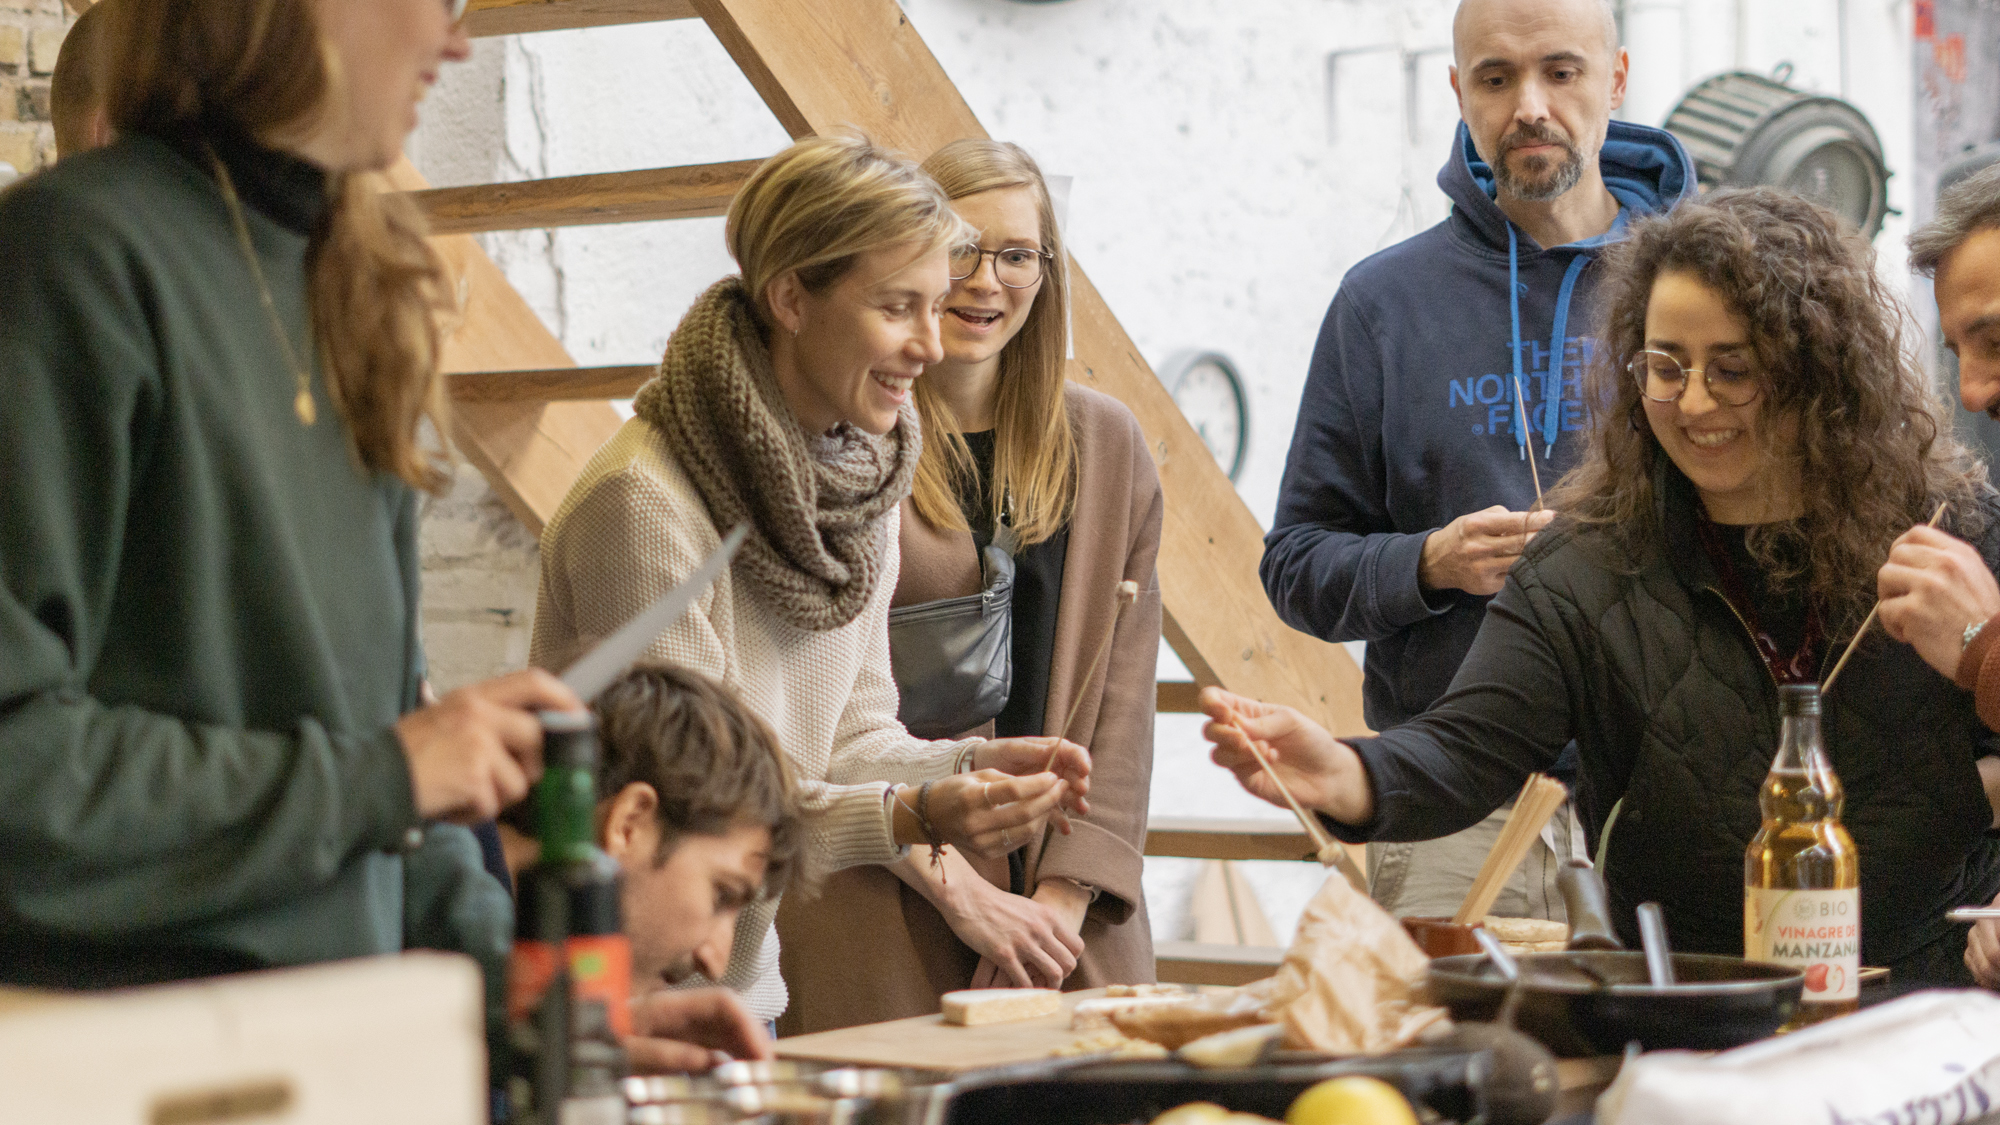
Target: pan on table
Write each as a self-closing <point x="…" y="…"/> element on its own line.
<point x="1596" y="997"/>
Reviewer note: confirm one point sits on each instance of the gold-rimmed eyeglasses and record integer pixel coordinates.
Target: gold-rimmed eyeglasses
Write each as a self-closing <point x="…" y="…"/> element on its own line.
<point x="1731" y="379"/>
<point x="1016" y="267"/>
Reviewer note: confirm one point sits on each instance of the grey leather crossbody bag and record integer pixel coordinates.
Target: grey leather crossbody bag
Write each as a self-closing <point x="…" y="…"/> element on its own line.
<point x="953" y="659"/>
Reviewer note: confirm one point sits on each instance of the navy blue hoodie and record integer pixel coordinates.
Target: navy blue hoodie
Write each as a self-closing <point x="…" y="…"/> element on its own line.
<point x="1409" y="420"/>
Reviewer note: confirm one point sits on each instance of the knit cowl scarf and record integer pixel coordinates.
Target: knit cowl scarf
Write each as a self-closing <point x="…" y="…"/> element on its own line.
<point x="814" y="503"/>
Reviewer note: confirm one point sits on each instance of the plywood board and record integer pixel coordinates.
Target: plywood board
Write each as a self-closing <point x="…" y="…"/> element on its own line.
<point x="929" y="1043"/>
<point x="528" y="452"/>
<point x="388" y="1040"/>
<point x="514" y="17"/>
<point x="555" y="384"/>
<point x="649" y="194"/>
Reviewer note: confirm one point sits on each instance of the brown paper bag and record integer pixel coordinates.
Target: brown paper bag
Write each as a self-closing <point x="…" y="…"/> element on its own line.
<point x="1352" y="982"/>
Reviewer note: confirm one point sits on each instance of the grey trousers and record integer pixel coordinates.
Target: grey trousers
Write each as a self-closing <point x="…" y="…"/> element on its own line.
<point x="1431" y="877"/>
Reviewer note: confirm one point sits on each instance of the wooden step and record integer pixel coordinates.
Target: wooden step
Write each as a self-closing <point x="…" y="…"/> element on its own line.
<point x="514" y="17"/>
<point x="1197" y="962"/>
<point x="1177" y="697"/>
<point x="556" y="384"/>
<point x="1215" y="838"/>
<point x="689" y="192"/>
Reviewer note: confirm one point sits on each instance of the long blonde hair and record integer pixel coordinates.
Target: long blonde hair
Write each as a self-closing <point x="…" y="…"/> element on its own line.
<point x="375" y="287"/>
<point x="819" y="205"/>
<point x="1034" y="452"/>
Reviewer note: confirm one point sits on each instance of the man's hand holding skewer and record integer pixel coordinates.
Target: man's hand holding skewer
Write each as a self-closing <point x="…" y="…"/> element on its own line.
<point x="1474" y="551"/>
<point x="1323" y="773"/>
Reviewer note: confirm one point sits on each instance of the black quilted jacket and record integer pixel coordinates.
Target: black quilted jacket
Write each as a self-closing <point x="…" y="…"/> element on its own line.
<point x="1643" y="663"/>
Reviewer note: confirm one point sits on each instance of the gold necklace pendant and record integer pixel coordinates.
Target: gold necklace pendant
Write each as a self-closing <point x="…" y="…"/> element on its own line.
<point x="302" y="402"/>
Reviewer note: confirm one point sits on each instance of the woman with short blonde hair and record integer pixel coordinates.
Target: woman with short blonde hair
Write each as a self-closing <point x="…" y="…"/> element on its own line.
<point x="783" y="403"/>
<point x="1016" y="455"/>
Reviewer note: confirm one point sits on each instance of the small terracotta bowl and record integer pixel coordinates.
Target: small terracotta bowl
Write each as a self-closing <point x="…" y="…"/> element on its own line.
<point x="1442" y="937"/>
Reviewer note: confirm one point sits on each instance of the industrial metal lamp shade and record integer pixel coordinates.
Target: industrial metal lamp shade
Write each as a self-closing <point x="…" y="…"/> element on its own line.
<point x="1744" y="129"/>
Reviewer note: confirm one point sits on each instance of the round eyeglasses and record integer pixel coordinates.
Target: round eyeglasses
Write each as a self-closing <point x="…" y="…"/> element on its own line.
<point x="1016" y="267"/>
<point x="1731" y="380"/>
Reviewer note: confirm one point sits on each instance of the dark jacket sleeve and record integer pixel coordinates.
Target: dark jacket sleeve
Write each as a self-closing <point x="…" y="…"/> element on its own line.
<point x="1508" y="714"/>
<point x="1335" y="565"/>
<point x="115" y="819"/>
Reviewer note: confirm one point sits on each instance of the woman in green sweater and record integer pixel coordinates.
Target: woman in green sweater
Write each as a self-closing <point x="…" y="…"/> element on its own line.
<point x="218" y="347"/>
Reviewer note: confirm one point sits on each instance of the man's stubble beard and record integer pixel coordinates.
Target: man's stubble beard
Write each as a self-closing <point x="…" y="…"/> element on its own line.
<point x="1532" y="189"/>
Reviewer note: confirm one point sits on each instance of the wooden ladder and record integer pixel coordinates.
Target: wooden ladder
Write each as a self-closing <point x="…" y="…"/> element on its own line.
<point x="529" y="418"/>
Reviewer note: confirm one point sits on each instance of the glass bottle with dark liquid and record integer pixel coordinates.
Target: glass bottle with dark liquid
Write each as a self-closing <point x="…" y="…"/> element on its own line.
<point x="1802" y="874"/>
<point x="570" y="976"/>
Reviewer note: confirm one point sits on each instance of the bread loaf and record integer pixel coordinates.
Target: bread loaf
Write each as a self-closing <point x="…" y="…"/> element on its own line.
<point x="1091" y="1014"/>
<point x="974" y="1007"/>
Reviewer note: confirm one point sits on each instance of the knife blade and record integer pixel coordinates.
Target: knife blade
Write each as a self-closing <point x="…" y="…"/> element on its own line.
<point x="1972" y="913"/>
<point x="595" y="670"/>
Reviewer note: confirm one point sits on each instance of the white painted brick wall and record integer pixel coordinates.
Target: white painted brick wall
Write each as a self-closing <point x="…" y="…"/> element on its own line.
<point x="1217" y="204"/>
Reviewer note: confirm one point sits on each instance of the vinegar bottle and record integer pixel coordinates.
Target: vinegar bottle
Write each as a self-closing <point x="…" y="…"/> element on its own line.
<point x="1802" y="874"/>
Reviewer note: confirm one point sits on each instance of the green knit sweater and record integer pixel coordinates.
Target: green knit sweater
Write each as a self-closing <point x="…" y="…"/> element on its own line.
<point x="208" y="611"/>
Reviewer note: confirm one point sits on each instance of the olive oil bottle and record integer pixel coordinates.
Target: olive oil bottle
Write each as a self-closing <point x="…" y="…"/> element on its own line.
<point x="570" y="975"/>
<point x="1802" y="874"/>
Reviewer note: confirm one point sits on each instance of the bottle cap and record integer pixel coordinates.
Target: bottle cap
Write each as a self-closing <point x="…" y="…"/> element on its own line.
<point x="569" y="738"/>
<point x="1798" y="699"/>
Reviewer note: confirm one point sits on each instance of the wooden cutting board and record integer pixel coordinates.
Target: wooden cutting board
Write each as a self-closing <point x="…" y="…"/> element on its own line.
<point x="929" y="1043"/>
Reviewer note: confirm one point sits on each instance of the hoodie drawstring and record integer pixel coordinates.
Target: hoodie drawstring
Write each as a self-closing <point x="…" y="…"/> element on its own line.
<point x="1552" y="379"/>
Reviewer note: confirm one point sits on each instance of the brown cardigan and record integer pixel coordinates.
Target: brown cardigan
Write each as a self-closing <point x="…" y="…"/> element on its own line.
<point x="869" y="947"/>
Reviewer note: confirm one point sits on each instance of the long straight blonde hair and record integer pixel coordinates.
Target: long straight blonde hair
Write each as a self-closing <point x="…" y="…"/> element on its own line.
<point x="376" y="289"/>
<point x="1034" y="451"/>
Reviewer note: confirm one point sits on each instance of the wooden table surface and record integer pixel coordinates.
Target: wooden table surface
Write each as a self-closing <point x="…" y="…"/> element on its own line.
<point x="929" y="1043"/>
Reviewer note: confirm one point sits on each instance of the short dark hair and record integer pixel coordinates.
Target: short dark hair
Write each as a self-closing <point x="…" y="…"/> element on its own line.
<point x="1966" y="208"/>
<point x="713" y="763"/>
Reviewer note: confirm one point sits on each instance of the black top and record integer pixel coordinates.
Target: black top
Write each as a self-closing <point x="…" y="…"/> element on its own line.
<point x="284" y="188"/>
<point x="1786" y="632"/>
<point x="1038" y="572"/>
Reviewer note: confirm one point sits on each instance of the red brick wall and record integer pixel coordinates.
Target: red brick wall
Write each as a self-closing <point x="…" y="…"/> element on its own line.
<point x="31" y="31"/>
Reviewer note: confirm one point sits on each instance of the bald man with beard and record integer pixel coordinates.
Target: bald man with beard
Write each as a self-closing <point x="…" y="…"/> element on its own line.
<point x="1407" y="492"/>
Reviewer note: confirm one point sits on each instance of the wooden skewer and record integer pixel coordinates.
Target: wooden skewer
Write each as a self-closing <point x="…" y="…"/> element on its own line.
<point x="1869" y="620"/>
<point x="1329" y="851"/>
<point x="1522" y="403"/>
<point x="1126" y="595"/>
<point x="1537" y="802"/>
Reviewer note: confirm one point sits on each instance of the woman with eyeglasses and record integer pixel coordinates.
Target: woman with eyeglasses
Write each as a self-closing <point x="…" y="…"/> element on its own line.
<point x="1058" y="476"/>
<point x="1763" y="437"/>
<point x="784" y="402"/>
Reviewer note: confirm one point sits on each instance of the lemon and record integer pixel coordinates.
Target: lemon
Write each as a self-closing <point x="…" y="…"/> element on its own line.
<point x="1351" y="1100"/>
<point x="1194" y="1113"/>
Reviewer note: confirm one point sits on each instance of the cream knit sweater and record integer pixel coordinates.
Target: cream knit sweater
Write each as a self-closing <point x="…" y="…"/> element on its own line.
<point x="631" y="528"/>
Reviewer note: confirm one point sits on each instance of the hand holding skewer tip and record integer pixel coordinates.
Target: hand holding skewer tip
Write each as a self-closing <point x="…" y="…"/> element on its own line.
<point x="1855" y="642"/>
<point x="1329" y="851"/>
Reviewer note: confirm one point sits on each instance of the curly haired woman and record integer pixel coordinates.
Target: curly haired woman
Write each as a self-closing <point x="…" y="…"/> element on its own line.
<point x="1764" y="438"/>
